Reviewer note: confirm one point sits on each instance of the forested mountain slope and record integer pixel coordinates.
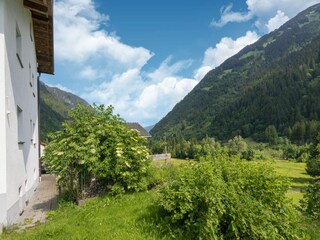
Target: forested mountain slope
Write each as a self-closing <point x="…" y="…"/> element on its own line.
<point x="275" y="81"/>
<point x="55" y="105"/>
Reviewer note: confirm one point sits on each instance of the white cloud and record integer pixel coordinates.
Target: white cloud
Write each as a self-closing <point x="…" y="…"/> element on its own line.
<point x="279" y="19"/>
<point x="201" y="72"/>
<point x="227" y="15"/>
<point x="80" y="37"/>
<point x="263" y="11"/>
<point x="63" y="88"/>
<point x="89" y="73"/>
<point x="167" y="69"/>
<point x="226" y="48"/>
<point x="162" y="96"/>
<point x="268" y="8"/>
<point x="144" y="97"/>
<point x="122" y="88"/>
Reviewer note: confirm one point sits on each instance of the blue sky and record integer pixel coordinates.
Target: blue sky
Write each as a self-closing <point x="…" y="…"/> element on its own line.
<point x="144" y="56"/>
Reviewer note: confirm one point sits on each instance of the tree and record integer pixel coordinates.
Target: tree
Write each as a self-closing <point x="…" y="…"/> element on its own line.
<point x="299" y="132"/>
<point x="311" y="199"/>
<point x="271" y="134"/>
<point x="237" y="145"/>
<point x="96" y="143"/>
<point x="313" y="163"/>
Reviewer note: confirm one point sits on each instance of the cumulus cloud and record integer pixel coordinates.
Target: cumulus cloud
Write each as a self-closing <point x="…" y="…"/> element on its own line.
<point x="148" y="96"/>
<point x="162" y="96"/>
<point x="63" y="88"/>
<point x="226" y="48"/>
<point x="167" y="69"/>
<point x="279" y="19"/>
<point x="227" y="15"/>
<point x="89" y="73"/>
<point x="80" y="37"/>
<point x="263" y="11"/>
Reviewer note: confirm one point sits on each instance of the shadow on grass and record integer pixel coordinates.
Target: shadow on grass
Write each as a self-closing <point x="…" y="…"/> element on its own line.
<point x="301" y="180"/>
<point x="300" y="184"/>
<point x="155" y="223"/>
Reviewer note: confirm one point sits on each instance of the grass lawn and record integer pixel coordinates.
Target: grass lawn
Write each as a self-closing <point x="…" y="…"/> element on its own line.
<point x="298" y="175"/>
<point x="125" y="217"/>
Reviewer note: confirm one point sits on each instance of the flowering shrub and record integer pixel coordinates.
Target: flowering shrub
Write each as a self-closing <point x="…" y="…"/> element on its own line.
<point x="96" y="143"/>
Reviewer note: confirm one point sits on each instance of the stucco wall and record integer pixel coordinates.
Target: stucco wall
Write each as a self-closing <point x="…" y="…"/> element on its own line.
<point x="3" y="213"/>
<point x="22" y="163"/>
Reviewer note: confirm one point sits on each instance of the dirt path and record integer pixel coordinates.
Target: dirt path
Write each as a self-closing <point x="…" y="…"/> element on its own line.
<point x="43" y="200"/>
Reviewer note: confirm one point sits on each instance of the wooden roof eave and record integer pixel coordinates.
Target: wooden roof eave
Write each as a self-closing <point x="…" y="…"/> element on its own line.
<point x="36" y="5"/>
<point x="42" y="15"/>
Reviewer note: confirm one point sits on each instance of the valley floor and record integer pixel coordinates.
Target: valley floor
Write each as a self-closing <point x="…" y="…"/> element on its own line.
<point x="130" y="216"/>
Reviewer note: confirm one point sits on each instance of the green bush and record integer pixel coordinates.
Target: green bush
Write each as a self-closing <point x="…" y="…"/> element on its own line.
<point x="161" y="174"/>
<point x="96" y="143"/>
<point x="311" y="200"/>
<point x="313" y="163"/>
<point x="227" y="199"/>
<point x="237" y="145"/>
<point x="295" y="152"/>
<point x="248" y="154"/>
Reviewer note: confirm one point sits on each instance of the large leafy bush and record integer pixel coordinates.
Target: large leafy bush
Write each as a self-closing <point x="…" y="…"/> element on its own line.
<point x="227" y="199"/>
<point x="313" y="163"/>
<point x="95" y="143"/>
<point x="311" y="200"/>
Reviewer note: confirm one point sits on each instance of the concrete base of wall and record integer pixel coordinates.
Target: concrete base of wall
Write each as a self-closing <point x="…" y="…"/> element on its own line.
<point x="14" y="211"/>
<point x="3" y="212"/>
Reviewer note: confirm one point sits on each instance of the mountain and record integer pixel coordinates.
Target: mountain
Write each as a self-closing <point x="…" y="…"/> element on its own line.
<point x="55" y="105"/>
<point x="148" y="128"/>
<point x="275" y="81"/>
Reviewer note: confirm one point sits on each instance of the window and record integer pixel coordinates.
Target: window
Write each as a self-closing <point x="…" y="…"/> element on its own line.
<point x="19" y="45"/>
<point x="33" y="85"/>
<point x="20" y="125"/>
<point x="31" y="32"/>
<point x="26" y="184"/>
<point x="31" y="80"/>
<point x="30" y="75"/>
<point x="32" y="131"/>
<point x="8" y="105"/>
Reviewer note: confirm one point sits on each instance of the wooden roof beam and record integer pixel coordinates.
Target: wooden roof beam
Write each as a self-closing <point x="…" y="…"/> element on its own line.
<point x="36" y="5"/>
<point x="39" y="16"/>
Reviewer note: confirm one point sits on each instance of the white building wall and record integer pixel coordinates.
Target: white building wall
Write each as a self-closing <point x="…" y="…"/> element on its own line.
<point x="3" y="213"/>
<point x="22" y="162"/>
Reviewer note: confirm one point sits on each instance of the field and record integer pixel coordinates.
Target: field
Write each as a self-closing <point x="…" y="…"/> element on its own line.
<point x="129" y="216"/>
<point x="297" y="173"/>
